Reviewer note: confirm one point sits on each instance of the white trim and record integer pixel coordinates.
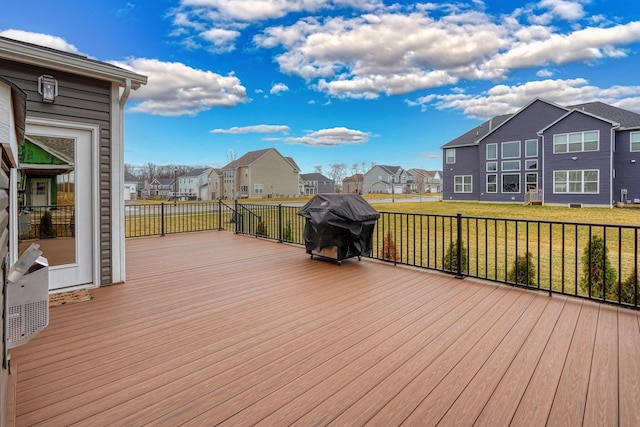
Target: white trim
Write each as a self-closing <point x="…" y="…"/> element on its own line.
<point x="118" y="254"/>
<point x="519" y="183"/>
<point x="95" y="175"/>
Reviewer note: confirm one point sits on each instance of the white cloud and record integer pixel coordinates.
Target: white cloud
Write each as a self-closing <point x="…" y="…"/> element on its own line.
<point x="331" y="137"/>
<point x="544" y="73"/>
<point x="175" y="89"/>
<point x="568" y="10"/>
<point x="503" y="99"/>
<point x="253" y="129"/>
<point x="221" y="40"/>
<point x="40" y="39"/>
<point x="278" y="88"/>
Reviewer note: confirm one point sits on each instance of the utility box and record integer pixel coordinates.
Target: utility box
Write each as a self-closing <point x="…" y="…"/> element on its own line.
<point x="27" y="306"/>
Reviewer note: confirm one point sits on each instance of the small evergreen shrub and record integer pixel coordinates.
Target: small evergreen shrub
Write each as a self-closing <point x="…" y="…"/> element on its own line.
<point x="388" y="250"/>
<point x="523" y="272"/>
<point x="45" y="228"/>
<point x="287" y="232"/>
<point x="628" y="288"/>
<point x="450" y="262"/>
<point x="597" y="267"/>
<point x="261" y="229"/>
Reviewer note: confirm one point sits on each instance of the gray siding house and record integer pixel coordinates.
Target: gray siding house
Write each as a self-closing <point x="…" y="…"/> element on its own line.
<point x="386" y="179"/>
<point x="316" y="183"/>
<point x="80" y="101"/>
<point x="546" y="153"/>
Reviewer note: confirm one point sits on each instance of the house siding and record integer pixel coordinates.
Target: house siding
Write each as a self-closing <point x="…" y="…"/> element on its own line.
<point x="81" y="100"/>
<point x="466" y="164"/>
<point x="521" y="127"/>
<point x="627" y="167"/>
<point x="585" y="160"/>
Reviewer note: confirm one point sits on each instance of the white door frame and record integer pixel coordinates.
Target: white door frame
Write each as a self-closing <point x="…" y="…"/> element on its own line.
<point x="95" y="170"/>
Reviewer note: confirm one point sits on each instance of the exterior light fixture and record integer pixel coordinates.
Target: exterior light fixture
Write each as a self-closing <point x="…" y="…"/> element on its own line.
<point x="48" y="88"/>
<point x="574" y="158"/>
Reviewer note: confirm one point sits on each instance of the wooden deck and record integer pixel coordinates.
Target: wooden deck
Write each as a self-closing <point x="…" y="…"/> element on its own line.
<point x="215" y="328"/>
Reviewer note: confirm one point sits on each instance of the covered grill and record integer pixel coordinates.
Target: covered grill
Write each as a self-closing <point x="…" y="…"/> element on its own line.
<point x="338" y="226"/>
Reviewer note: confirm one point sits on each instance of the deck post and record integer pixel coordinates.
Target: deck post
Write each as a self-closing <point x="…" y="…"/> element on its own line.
<point x="162" y="219"/>
<point x="459" y="245"/>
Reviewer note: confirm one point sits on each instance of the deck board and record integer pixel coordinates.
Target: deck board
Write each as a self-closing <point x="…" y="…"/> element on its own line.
<point x="215" y="328"/>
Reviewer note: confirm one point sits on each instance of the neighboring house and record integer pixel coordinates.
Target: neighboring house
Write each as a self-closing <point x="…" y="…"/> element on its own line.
<point x="194" y="185"/>
<point x="130" y="187"/>
<point x="215" y="184"/>
<point x="260" y="173"/>
<point x="386" y="179"/>
<point x="426" y="181"/>
<point x="316" y="183"/>
<point x="75" y="110"/>
<point x="585" y="154"/>
<point x="353" y="184"/>
<point x="163" y="188"/>
<point x="46" y="171"/>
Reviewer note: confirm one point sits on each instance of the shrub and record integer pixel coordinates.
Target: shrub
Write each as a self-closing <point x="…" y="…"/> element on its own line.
<point x="388" y="250"/>
<point x="261" y="229"/>
<point x="450" y="262"/>
<point x="628" y="289"/>
<point x="597" y="267"/>
<point x="287" y="232"/>
<point x="45" y="228"/>
<point x="523" y="271"/>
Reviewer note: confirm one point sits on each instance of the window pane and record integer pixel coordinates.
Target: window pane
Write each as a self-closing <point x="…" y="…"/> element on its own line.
<point x="591" y="175"/>
<point x="511" y="183"/>
<point x="560" y="139"/>
<point x="559" y="147"/>
<point x="510" y="149"/>
<point x="575" y="146"/>
<point x="590" y="145"/>
<point x="511" y="165"/>
<point x="492" y="166"/>
<point x="492" y="151"/>
<point x="531" y="165"/>
<point x="575" y="137"/>
<point x="451" y="155"/>
<point x="560" y="187"/>
<point x="591" y="136"/>
<point x="531" y="148"/>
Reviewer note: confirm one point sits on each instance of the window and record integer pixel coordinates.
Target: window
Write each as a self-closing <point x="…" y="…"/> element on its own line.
<point x="531" y="181"/>
<point x="576" y="182"/>
<point x="511" y="150"/>
<point x="492" y="183"/>
<point x="531" y="165"/>
<point x="258" y="188"/>
<point x="462" y="184"/>
<point x="244" y="188"/>
<point x="635" y="141"/>
<point x="451" y="155"/>
<point x="511" y="183"/>
<point x="492" y="166"/>
<point x="511" y="165"/>
<point x="531" y="148"/>
<point x="492" y="151"/>
<point x="575" y="142"/>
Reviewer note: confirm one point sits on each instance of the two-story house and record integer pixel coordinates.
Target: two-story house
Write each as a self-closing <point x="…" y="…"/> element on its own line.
<point x="194" y="185"/>
<point x="163" y="188"/>
<point x="260" y="173"/>
<point x="316" y="183"/>
<point x="578" y="155"/>
<point x="353" y="183"/>
<point x="425" y="181"/>
<point x="386" y="179"/>
<point x="215" y="184"/>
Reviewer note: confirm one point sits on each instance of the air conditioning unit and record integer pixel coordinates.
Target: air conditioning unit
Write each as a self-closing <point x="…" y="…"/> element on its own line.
<point x="27" y="303"/>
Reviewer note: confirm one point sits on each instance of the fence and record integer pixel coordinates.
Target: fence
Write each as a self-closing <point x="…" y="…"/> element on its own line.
<point x="592" y="261"/>
<point x="36" y="222"/>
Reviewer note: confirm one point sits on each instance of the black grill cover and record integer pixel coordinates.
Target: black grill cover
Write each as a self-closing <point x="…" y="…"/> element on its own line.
<point x="343" y="220"/>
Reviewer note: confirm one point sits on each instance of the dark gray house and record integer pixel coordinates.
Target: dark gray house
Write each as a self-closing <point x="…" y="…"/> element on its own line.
<point x="545" y="153"/>
<point x="77" y="102"/>
<point x="316" y="183"/>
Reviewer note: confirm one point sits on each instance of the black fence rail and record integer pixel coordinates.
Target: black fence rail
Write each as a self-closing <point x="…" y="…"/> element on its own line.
<point x="41" y="222"/>
<point x="592" y="261"/>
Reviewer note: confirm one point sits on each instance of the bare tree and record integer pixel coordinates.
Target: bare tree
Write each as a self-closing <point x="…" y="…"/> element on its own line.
<point x="318" y="169"/>
<point x="337" y="173"/>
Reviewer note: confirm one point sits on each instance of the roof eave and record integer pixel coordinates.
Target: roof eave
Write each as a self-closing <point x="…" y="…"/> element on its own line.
<point x="34" y="55"/>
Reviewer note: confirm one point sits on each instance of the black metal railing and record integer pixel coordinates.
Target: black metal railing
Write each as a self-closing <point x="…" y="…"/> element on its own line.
<point x="592" y="261"/>
<point x="40" y="222"/>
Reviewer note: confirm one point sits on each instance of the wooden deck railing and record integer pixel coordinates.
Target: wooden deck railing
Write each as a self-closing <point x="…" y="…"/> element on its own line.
<point x="593" y="261"/>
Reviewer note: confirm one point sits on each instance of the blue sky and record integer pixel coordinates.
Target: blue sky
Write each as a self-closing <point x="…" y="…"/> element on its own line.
<point x="338" y="81"/>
